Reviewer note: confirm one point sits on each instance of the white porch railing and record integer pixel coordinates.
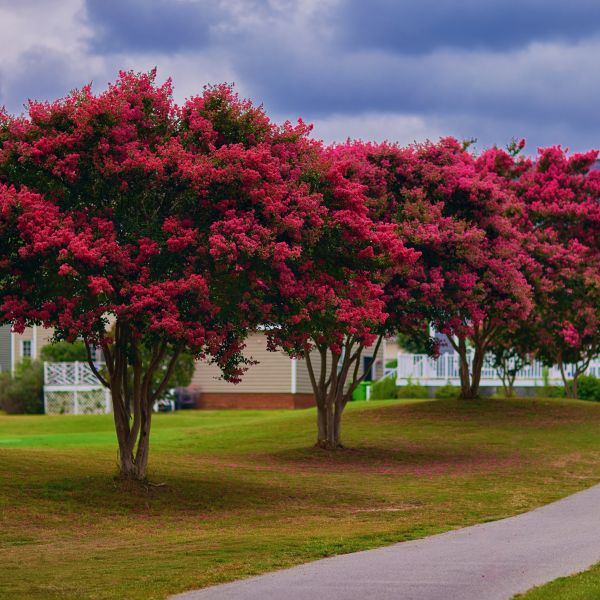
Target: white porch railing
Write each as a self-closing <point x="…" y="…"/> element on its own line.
<point x="445" y="369"/>
<point x="72" y="388"/>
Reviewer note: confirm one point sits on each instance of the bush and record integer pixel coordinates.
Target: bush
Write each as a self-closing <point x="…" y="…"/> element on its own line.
<point x="391" y="364"/>
<point x="384" y="389"/>
<point x="550" y="391"/>
<point x="64" y="352"/>
<point x="447" y="392"/>
<point x="22" y="393"/>
<point x="412" y="390"/>
<point x="588" y="388"/>
<point x="5" y="382"/>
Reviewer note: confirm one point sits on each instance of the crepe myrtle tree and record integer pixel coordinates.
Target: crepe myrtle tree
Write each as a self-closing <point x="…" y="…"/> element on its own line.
<point x="565" y="327"/>
<point x="332" y="304"/>
<point x="466" y="223"/>
<point x="135" y="224"/>
<point x="561" y="194"/>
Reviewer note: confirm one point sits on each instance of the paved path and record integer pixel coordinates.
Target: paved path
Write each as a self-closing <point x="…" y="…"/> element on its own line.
<point x="491" y="561"/>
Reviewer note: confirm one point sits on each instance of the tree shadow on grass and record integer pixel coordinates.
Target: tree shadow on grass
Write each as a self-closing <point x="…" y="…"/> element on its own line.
<point x="216" y="490"/>
<point x="408" y="458"/>
<point x="261" y="482"/>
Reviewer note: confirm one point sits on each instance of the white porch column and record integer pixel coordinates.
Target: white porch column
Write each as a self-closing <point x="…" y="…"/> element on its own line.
<point x="294" y="385"/>
<point x="12" y="351"/>
<point x="34" y="343"/>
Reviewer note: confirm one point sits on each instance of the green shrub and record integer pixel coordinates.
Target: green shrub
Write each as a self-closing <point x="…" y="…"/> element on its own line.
<point x="391" y="364"/>
<point x="384" y="389"/>
<point x="5" y="382"/>
<point x="22" y="393"/>
<point x="550" y="391"/>
<point x="588" y="388"/>
<point x="412" y="390"/>
<point x="64" y="352"/>
<point x="447" y="392"/>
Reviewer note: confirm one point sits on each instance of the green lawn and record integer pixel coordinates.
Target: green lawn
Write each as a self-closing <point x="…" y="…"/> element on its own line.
<point x="583" y="586"/>
<point x="245" y="492"/>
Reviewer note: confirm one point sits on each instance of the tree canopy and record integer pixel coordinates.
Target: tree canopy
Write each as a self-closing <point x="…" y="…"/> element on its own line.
<point x="127" y="221"/>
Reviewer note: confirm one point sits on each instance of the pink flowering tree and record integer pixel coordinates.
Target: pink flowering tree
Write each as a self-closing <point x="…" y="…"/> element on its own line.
<point x="332" y="304"/>
<point x="465" y="222"/>
<point x="130" y="222"/>
<point x="562" y="196"/>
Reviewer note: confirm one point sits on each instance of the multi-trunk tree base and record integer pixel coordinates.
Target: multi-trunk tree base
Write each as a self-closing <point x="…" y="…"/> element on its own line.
<point x="130" y="381"/>
<point x="333" y="386"/>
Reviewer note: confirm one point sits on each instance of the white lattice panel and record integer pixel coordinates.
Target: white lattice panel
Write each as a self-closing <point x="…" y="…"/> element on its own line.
<point x="76" y="402"/>
<point x="86" y="375"/>
<point x="59" y="373"/>
<point x="91" y="402"/>
<point x="72" y="388"/>
<point x="69" y="373"/>
<point x="59" y="403"/>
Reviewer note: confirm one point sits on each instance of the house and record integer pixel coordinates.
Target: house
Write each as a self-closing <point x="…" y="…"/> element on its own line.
<point x="16" y="346"/>
<point x="277" y="381"/>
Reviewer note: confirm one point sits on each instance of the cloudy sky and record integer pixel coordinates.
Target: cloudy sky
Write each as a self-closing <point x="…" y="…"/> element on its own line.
<point x="401" y="70"/>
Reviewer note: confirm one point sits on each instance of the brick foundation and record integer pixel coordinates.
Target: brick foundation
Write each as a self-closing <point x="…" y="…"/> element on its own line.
<point x="212" y="400"/>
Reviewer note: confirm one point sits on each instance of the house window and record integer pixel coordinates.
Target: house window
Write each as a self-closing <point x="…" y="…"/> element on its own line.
<point x="26" y="349"/>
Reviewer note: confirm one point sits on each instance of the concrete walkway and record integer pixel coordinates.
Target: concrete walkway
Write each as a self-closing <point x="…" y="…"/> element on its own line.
<point x="492" y="561"/>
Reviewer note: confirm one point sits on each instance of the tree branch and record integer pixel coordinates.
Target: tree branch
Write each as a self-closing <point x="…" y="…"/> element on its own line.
<point x="93" y="366"/>
<point x="453" y="343"/>
<point x="137" y="395"/>
<point x="311" y="373"/>
<point x="108" y="357"/>
<point x="167" y="377"/>
<point x="157" y="355"/>
<point x="371" y="363"/>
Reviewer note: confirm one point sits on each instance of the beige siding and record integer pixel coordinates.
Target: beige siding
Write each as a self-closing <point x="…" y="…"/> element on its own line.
<point x="38" y="337"/>
<point x="391" y="349"/>
<point x="44" y="336"/>
<point x="5" y="360"/>
<point x="272" y="374"/>
<point x="303" y="385"/>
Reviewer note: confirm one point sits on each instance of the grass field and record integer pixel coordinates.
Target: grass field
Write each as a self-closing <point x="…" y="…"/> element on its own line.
<point x="245" y="492"/>
<point x="583" y="586"/>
